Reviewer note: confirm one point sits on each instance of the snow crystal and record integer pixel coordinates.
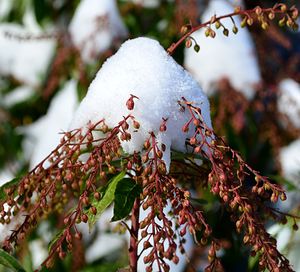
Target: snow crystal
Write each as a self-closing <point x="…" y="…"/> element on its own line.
<point x="25" y="59"/>
<point x="230" y="57"/>
<point x="94" y="26"/>
<point x="289" y="100"/>
<point x="44" y="134"/>
<point x="143" y="68"/>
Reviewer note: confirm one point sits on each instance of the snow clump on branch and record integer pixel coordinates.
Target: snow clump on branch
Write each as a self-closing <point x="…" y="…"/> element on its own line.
<point x="143" y="68"/>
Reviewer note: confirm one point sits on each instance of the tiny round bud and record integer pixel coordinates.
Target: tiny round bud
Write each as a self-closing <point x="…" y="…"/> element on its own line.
<point x="197" y="149"/>
<point x="295" y="227"/>
<point x="136" y="124"/>
<point x="184" y="29"/>
<point x="207" y="32"/>
<point x="97" y="195"/>
<point x="271" y="15"/>
<point x="93" y="210"/>
<point x="162" y="128"/>
<point x="235" y="29"/>
<point x="283" y="196"/>
<point x="84" y="218"/>
<point x="130" y="103"/>
<point x="283" y="8"/>
<point x="244" y="22"/>
<point x="258" y="10"/>
<point x="185" y="128"/>
<point x="188" y="43"/>
<point x="197" y="48"/>
<point x="193" y="141"/>
<point x="250" y="21"/>
<point x="226" y="32"/>
<point x="78" y="235"/>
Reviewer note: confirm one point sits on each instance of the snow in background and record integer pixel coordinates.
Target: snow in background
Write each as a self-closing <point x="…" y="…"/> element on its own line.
<point x="44" y="134"/>
<point x="106" y="240"/>
<point x="183" y="258"/>
<point x="17" y="95"/>
<point x="158" y="81"/>
<point x="5" y="7"/>
<point x="26" y="60"/>
<point x="94" y="26"/>
<point x="230" y="57"/>
<point x="288" y="243"/>
<point x="290" y="162"/>
<point x="288" y="102"/>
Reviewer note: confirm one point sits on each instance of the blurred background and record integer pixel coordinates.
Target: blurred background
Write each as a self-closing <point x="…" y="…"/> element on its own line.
<point x="50" y="51"/>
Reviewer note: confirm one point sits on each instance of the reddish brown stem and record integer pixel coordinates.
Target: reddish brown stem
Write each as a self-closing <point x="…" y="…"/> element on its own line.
<point x="134" y="231"/>
<point x="192" y="29"/>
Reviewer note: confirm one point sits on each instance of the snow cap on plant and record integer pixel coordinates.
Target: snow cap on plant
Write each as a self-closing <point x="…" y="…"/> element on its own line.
<point x="95" y="25"/>
<point x="143" y="71"/>
<point x="223" y="57"/>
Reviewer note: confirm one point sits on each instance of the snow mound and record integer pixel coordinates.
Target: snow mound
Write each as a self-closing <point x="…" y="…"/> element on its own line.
<point x="94" y="26"/>
<point x="288" y="101"/>
<point x="143" y="68"/>
<point x="44" y="134"/>
<point x="26" y="60"/>
<point x="230" y="57"/>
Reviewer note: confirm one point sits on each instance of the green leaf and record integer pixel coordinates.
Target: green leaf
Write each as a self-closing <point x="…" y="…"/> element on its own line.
<point x="126" y="192"/>
<point x="9" y="261"/>
<point x="53" y="241"/>
<point x="199" y="201"/>
<point x="107" y="198"/>
<point x="7" y="185"/>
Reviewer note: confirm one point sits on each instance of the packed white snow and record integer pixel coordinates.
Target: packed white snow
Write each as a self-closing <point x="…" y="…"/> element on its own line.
<point x="288" y="102"/>
<point x="26" y="60"/>
<point x="94" y="26"/>
<point x="230" y="57"/>
<point x="44" y="134"/>
<point x="143" y="68"/>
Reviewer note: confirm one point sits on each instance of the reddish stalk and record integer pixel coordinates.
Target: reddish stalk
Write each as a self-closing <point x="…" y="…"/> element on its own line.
<point x="134" y="231"/>
<point x="247" y="13"/>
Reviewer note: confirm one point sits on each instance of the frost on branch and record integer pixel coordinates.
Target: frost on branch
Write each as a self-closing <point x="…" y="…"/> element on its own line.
<point x="141" y="105"/>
